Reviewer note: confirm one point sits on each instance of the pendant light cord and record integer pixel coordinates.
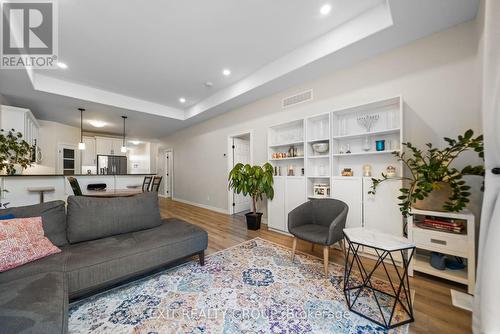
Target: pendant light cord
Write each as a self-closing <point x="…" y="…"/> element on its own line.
<point x="124" y="118"/>
<point x="81" y="124"/>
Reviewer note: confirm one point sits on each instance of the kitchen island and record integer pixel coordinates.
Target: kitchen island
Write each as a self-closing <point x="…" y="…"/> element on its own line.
<point x="18" y="194"/>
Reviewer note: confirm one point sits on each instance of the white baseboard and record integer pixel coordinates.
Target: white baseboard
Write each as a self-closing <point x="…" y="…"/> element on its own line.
<point x="208" y="207"/>
<point x="462" y="300"/>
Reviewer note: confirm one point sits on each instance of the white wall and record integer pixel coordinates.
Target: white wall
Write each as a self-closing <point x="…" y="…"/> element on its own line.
<point x="438" y="77"/>
<point x="51" y="134"/>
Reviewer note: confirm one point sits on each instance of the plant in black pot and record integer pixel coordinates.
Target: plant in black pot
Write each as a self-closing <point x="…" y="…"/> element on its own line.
<point x="433" y="182"/>
<point x="253" y="181"/>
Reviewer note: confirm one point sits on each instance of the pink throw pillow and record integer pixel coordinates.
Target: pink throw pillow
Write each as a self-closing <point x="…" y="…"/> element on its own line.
<point x="21" y="241"/>
<point x="17" y="227"/>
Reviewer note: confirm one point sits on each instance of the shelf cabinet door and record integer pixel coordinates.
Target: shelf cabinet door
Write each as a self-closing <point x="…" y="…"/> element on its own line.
<point x="381" y="211"/>
<point x="350" y="191"/>
<point x="295" y="196"/>
<point x="276" y="208"/>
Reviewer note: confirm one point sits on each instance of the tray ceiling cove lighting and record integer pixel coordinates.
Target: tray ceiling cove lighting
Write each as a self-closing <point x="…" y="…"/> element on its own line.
<point x="124" y="148"/>
<point x="81" y="144"/>
<point x="96" y="123"/>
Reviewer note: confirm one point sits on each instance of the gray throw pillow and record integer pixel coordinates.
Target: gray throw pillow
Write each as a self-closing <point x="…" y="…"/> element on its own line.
<point x="53" y="218"/>
<point x="91" y="218"/>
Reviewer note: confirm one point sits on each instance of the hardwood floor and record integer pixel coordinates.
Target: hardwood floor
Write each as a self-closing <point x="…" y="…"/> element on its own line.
<point x="432" y="304"/>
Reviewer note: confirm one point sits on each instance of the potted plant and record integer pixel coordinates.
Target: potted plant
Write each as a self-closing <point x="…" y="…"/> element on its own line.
<point x="14" y="151"/>
<point x="254" y="181"/>
<point x="433" y="183"/>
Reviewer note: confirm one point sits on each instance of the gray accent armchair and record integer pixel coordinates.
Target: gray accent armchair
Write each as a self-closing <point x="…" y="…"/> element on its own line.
<point x="319" y="221"/>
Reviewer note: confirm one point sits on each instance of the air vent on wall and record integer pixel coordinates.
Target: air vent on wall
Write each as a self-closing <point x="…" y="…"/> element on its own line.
<point x="293" y="100"/>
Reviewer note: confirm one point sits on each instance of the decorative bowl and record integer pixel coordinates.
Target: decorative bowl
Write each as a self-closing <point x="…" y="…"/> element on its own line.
<point x="320" y="148"/>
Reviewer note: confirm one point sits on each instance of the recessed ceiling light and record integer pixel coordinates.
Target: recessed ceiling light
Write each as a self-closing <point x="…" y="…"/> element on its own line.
<point x="325" y="9"/>
<point x="209" y="84"/>
<point x="62" y="65"/>
<point x="182" y="100"/>
<point x="226" y="72"/>
<point x="97" y="124"/>
<point x="135" y="142"/>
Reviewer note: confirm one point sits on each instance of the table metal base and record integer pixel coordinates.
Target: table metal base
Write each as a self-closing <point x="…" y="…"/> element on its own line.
<point x="400" y="292"/>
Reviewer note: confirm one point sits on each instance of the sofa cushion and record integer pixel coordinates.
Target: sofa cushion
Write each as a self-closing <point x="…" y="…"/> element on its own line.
<point x="51" y="263"/>
<point x="34" y="304"/>
<point x="53" y="218"/>
<point x="91" y="218"/>
<point x="100" y="263"/>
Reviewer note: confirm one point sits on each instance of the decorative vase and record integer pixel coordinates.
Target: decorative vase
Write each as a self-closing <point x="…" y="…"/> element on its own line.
<point x="436" y="199"/>
<point x="367" y="144"/>
<point x="380" y="145"/>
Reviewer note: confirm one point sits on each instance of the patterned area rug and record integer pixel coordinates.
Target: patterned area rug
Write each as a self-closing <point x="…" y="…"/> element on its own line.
<point x="253" y="287"/>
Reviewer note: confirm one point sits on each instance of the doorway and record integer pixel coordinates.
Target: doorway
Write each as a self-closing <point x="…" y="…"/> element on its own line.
<point x="168" y="174"/>
<point x="68" y="159"/>
<point x="240" y="148"/>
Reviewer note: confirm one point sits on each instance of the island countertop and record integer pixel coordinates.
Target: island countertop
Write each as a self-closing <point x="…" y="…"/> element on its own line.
<point x="74" y="175"/>
<point x="18" y="194"/>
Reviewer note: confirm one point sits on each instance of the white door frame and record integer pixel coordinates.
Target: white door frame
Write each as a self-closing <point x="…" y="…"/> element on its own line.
<point x="169" y="165"/>
<point x="59" y="166"/>
<point x="230" y="158"/>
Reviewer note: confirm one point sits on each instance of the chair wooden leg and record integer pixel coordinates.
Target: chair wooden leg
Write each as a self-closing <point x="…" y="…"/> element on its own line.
<point x="201" y="256"/>
<point x="325" y="260"/>
<point x="312" y="247"/>
<point x="294" y="247"/>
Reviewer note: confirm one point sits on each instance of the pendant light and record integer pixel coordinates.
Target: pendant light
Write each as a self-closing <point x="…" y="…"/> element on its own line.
<point x="81" y="144"/>
<point x="124" y="148"/>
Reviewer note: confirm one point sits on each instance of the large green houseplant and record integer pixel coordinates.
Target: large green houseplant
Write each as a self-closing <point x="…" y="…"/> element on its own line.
<point x="253" y="181"/>
<point x="14" y="151"/>
<point x="432" y="178"/>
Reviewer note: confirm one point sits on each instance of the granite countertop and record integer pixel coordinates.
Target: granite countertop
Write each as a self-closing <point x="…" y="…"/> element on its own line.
<point x="77" y="175"/>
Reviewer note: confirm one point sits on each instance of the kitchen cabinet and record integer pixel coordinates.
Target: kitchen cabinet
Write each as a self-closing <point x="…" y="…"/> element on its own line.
<point x="89" y="154"/>
<point x="108" y="146"/>
<point x="117" y="145"/>
<point x="21" y="120"/>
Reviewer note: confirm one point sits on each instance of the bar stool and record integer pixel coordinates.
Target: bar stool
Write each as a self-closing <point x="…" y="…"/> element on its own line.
<point x="41" y="191"/>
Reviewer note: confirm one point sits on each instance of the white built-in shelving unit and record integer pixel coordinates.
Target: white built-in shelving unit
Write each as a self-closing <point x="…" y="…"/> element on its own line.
<point x="450" y="244"/>
<point x="341" y="130"/>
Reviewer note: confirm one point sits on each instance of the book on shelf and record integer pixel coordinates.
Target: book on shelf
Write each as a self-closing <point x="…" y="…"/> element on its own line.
<point x="443" y="224"/>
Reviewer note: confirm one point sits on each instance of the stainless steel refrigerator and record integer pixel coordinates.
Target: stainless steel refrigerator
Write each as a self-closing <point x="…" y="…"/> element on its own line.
<point x="111" y="164"/>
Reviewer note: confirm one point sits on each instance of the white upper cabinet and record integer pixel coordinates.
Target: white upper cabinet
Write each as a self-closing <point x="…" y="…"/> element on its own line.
<point x="21" y="120"/>
<point x="117" y="145"/>
<point x="109" y="146"/>
<point x="89" y="154"/>
<point x="104" y="146"/>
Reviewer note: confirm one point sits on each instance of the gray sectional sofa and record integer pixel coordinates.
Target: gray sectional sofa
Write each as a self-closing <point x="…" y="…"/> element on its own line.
<point x="103" y="242"/>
